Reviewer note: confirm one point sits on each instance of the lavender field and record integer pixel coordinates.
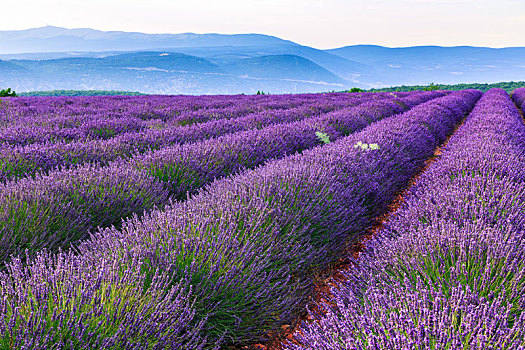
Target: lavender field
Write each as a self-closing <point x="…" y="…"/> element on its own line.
<point x="207" y="222"/>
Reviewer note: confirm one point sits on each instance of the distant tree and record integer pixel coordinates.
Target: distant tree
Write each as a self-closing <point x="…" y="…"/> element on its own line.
<point x="7" y="93"/>
<point x="431" y="87"/>
<point x="356" y="89"/>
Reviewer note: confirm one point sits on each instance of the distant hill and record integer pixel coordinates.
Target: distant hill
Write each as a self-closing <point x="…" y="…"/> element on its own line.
<point x="56" y="39"/>
<point x="170" y="73"/>
<point x="346" y="69"/>
<point x="265" y="71"/>
<point x="450" y="65"/>
<point x="53" y="58"/>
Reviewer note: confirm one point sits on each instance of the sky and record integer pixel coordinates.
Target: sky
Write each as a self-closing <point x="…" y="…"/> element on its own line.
<point x="322" y="24"/>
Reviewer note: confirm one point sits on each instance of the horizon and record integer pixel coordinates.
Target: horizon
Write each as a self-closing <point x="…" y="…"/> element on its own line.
<point x="320" y="24"/>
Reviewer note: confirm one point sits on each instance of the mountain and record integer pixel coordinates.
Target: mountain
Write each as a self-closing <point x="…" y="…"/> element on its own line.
<point x="270" y="71"/>
<point x="424" y="64"/>
<point x="56" y="39"/>
<point x="53" y="58"/>
<point x="170" y="73"/>
<point x="345" y="68"/>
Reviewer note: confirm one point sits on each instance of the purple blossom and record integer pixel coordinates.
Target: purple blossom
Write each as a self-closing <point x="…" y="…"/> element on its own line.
<point x="232" y="262"/>
<point x="78" y="144"/>
<point x="60" y="208"/>
<point x="447" y="270"/>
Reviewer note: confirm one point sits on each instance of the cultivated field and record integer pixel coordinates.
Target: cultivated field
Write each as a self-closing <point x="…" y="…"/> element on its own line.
<point x="184" y="222"/>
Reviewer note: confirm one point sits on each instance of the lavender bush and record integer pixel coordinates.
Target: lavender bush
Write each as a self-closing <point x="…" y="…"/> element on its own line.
<point x="447" y="270"/>
<point x="54" y="210"/>
<point x="103" y="307"/>
<point x="27" y="160"/>
<point x="518" y="96"/>
<point x="247" y="239"/>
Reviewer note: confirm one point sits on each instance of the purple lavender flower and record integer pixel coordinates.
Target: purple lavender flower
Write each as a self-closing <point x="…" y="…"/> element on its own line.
<point x="236" y="260"/>
<point x="447" y="270"/>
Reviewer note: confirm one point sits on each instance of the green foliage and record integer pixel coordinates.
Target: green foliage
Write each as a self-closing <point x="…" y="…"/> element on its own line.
<point x="323" y="137"/>
<point x="356" y="89"/>
<point x="260" y="92"/>
<point x="509" y="86"/>
<point x="366" y="146"/>
<point x="7" y="93"/>
<point x="431" y="87"/>
<point x="104" y="133"/>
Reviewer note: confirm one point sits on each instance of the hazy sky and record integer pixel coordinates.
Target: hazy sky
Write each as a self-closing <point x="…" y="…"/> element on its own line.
<point x="322" y="24"/>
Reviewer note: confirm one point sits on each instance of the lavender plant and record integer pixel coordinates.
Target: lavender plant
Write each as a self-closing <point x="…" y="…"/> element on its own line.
<point x="236" y="260"/>
<point x="518" y="96"/>
<point x="54" y="210"/>
<point x="292" y="216"/>
<point x="28" y="160"/>
<point x="104" y="307"/>
<point x="447" y="271"/>
<point x="60" y="208"/>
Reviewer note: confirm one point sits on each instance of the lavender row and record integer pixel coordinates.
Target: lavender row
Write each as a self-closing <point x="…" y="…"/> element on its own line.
<point x="184" y="169"/>
<point x="451" y="262"/>
<point x="61" y="207"/>
<point x="67" y="124"/>
<point x="102" y="121"/>
<point x="36" y="109"/>
<point x="248" y="245"/>
<point x="325" y="102"/>
<point x="94" y="126"/>
<point x="518" y="96"/>
<point x="64" y="112"/>
<point x="240" y="255"/>
<point x="16" y="162"/>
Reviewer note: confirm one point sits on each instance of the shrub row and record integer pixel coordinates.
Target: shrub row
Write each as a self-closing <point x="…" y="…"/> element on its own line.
<point x="447" y="271"/>
<point x="28" y="160"/>
<point x="242" y="252"/>
<point x="54" y="210"/>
